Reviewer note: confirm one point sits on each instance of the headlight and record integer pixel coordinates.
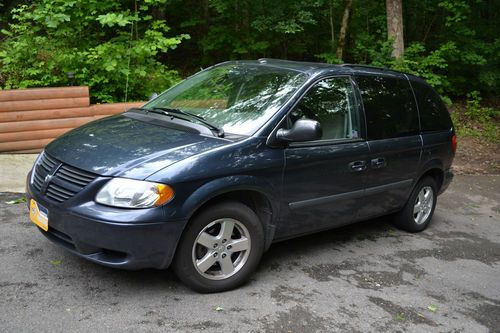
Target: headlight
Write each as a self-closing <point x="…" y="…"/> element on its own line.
<point x="129" y="193"/>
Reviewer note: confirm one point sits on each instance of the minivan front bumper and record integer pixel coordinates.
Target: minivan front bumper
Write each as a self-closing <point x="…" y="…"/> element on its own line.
<point x="114" y="237"/>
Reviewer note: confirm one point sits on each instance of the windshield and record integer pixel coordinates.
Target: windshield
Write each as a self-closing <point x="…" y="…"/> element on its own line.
<point x="238" y="98"/>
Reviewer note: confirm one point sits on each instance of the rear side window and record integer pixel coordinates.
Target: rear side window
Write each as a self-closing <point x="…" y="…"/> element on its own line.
<point x="433" y="114"/>
<point x="389" y="107"/>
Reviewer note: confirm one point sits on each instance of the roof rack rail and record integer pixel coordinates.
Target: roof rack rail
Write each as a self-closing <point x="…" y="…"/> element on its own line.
<point x="264" y="60"/>
<point x="367" y="66"/>
<point x="385" y="69"/>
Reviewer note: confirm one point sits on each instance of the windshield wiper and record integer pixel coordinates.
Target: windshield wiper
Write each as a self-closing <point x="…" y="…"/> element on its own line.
<point x="186" y="113"/>
<point x="170" y="111"/>
<point x="176" y="112"/>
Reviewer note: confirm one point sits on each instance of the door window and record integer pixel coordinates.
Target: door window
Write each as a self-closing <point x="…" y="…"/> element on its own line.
<point x="389" y="106"/>
<point x="331" y="102"/>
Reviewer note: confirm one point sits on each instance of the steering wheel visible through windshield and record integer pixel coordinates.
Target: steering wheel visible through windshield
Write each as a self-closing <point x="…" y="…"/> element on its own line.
<point x="239" y="98"/>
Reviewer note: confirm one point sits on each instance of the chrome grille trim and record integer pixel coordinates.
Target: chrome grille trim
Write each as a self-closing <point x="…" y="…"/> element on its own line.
<point x="73" y="177"/>
<point x="47" y="163"/>
<point x="54" y="195"/>
<point x="37" y="182"/>
<point x="66" y="180"/>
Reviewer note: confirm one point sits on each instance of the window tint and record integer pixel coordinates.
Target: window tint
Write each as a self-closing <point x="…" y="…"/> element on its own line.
<point x="330" y="102"/>
<point x="433" y="114"/>
<point x="389" y="106"/>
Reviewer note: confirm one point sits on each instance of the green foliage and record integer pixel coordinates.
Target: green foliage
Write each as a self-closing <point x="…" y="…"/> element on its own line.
<point x="399" y="317"/>
<point x="431" y="66"/>
<point x="475" y="111"/>
<point x="329" y="58"/>
<point x="104" y="43"/>
<point x="16" y="201"/>
<point x="476" y="120"/>
<point x="453" y="44"/>
<point x="368" y="43"/>
<point x="232" y="29"/>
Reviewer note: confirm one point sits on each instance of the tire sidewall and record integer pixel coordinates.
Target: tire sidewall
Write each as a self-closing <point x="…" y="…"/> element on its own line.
<point x="183" y="264"/>
<point x="405" y="219"/>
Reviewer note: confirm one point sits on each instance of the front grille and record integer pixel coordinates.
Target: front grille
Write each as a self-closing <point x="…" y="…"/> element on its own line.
<point x="58" y="193"/>
<point x="66" y="181"/>
<point x="44" y="167"/>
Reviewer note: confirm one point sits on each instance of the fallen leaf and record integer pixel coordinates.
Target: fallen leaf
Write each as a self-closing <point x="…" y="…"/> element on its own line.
<point x="16" y="201"/>
<point x="55" y="262"/>
<point x="399" y="317"/>
<point x="432" y="308"/>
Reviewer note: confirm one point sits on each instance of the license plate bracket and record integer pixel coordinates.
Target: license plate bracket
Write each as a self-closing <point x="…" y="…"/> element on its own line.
<point x="39" y="215"/>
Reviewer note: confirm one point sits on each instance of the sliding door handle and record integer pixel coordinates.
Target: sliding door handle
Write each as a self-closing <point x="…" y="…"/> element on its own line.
<point x="378" y="163"/>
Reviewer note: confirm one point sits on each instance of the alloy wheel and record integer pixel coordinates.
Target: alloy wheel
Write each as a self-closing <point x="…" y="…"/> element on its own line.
<point x="423" y="205"/>
<point x="221" y="249"/>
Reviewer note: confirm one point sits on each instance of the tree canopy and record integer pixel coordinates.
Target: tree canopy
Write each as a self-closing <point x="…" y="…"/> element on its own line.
<point x="148" y="45"/>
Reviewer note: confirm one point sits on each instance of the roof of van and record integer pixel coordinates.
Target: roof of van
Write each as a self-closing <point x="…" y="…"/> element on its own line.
<point x="315" y="67"/>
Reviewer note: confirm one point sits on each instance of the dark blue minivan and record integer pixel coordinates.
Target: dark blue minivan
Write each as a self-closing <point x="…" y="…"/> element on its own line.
<point x="242" y="154"/>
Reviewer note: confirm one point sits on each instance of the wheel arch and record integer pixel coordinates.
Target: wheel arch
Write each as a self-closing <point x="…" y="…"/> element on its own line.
<point x="251" y="191"/>
<point x="434" y="169"/>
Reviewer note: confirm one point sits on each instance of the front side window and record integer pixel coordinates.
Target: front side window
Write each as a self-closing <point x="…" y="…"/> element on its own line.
<point x="331" y="102"/>
<point x="239" y="98"/>
<point x="389" y="106"/>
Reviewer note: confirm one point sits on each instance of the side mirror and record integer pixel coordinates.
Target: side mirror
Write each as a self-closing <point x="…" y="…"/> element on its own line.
<point x="153" y="96"/>
<point x="302" y="130"/>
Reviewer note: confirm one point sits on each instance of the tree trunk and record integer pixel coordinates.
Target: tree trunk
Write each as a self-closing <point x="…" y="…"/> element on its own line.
<point x="206" y="14"/>
<point x="395" y="26"/>
<point x="343" y="29"/>
<point x="332" y="28"/>
<point x="236" y="16"/>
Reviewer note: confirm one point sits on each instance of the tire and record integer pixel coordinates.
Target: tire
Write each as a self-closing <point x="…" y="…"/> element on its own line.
<point x="207" y="259"/>
<point x="412" y="218"/>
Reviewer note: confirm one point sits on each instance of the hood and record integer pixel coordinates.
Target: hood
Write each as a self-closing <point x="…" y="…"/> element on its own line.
<point x="126" y="147"/>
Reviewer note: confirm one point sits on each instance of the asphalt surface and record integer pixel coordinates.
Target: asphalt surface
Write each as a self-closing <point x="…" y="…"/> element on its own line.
<point x="13" y="171"/>
<point x="365" y="277"/>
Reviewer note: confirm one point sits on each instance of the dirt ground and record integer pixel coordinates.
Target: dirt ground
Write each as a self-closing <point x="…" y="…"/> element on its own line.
<point x="476" y="157"/>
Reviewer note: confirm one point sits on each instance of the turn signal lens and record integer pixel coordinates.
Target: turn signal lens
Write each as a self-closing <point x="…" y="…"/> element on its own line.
<point x="165" y="194"/>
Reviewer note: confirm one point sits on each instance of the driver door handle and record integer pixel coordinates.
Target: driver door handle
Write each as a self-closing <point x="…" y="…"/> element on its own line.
<point x="357" y="166"/>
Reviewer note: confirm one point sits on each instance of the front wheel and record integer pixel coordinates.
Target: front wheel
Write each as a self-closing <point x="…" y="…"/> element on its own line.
<point x="417" y="213"/>
<point x="220" y="248"/>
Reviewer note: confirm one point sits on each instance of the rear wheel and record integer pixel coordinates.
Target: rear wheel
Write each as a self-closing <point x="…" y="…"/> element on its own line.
<point x="220" y="248"/>
<point x="419" y="209"/>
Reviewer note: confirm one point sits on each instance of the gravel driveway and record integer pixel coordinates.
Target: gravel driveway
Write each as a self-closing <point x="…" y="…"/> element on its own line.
<point x="365" y="277"/>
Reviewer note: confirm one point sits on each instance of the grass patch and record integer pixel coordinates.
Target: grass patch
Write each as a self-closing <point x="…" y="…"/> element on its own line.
<point x="471" y="119"/>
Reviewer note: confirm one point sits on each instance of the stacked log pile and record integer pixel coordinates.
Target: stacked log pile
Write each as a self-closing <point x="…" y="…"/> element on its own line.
<point x="31" y="118"/>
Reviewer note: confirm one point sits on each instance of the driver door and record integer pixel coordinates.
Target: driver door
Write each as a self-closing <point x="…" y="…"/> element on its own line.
<point x="324" y="179"/>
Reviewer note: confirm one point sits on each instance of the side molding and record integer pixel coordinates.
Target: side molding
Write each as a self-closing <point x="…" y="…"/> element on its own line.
<point x="350" y="195"/>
